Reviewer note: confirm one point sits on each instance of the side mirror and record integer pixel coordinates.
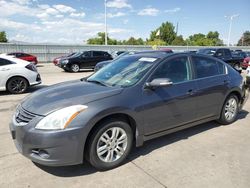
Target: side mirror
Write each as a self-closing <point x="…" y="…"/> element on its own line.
<point x="158" y="82"/>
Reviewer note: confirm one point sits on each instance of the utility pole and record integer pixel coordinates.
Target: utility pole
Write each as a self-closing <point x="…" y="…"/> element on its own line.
<point x="177" y="27"/>
<point x="106" y="29"/>
<point x="230" y="27"/>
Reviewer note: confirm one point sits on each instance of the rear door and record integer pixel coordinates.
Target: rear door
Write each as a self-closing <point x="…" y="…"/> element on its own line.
<point x="5" y="70"/>
<point x="98" y="56"/>
<point x="213" y="84"/>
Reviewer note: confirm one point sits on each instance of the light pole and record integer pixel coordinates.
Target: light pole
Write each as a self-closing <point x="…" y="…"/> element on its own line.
<point x="230" y="26"/>
<point x="106" y="29"/>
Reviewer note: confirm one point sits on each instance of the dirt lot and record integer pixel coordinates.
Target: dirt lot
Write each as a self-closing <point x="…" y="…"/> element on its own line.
<point x="208" y="155"/>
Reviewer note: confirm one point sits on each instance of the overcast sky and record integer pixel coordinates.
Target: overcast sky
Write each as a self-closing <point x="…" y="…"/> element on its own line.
<point x="74" y="21"/>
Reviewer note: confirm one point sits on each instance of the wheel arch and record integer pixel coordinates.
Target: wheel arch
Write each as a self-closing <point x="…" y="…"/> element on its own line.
<point x="119" y="116"/>
<point x="6" y="84"/>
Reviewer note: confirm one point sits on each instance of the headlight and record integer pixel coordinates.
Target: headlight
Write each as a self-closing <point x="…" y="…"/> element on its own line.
<point x="60" y="119"/>
<point x="65" y="61"/>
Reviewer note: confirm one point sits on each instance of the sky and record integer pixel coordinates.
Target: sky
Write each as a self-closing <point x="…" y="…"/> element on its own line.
<point x="74" y="21"/>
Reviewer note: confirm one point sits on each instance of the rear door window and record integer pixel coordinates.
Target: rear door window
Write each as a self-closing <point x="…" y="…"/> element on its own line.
<point x="97" y="54"/>
<point x="206" y="67"/>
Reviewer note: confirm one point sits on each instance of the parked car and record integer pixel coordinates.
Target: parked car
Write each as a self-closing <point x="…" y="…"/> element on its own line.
<point x="104" y="63"/>
<point x="225" y="55"/>
<point x="239" y="54"/>
<point x="17" y="75"/>
<point x="56" y="60"/>
<point x="117" y="53"/>
<point x="246" y="61"/>
<point x="25" y="56"/>
<point x="83" y="60"/>
<point x="140" y="97"/>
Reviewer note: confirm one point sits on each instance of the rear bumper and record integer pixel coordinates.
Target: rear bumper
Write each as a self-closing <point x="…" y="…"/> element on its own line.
<point x="37" y="81"/>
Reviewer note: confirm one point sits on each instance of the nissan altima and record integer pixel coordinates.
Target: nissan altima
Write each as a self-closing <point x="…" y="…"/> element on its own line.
<point x="140" y="97"/>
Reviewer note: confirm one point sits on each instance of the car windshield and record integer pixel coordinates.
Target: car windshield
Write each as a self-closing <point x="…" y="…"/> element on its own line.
<point x="207" y="51"/>
<point x="125" y="72"/>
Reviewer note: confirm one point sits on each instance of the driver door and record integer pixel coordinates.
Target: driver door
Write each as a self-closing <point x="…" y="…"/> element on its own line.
<point x="174" y="105"/>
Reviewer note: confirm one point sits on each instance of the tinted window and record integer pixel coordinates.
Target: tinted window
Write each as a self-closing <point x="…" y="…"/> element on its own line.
<point x="4" y="62"/>
<point x="220" y="52"/>
<point x="176" y="69"/>
<point x="227" y="53"/>
<point x="221" y="68"/>
<point x="207" y="51"/>
<point x="97" y="54"/>
<point x="205" y="67"/>
<point x="86" y="54"/>
<point x="106" y="54"/>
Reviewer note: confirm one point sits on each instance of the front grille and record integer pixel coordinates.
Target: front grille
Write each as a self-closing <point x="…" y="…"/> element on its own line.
<point x="23" y="117"/>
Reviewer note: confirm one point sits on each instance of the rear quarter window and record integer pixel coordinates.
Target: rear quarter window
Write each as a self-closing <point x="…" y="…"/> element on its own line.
<point x="5" y="62"/>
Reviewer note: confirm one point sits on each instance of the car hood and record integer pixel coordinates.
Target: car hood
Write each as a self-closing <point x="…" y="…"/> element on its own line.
<point x="50" y="99"/>
<point x="102" y="63"/>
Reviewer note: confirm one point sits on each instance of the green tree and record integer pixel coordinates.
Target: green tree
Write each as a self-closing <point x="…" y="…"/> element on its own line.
<point x="166" y="33"/>
<point x="3" y="37"/>
<point x="134" y="41"/>
<point x="245" y="39"/>
<point x="211" y="39"/>
<point x="156" y="42"/>
<point x="214" y="39"/>
<point x="179" y="41"/>
<point x="100" y="40"/>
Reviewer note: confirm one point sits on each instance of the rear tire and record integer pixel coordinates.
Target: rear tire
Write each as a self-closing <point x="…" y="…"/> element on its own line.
<point x="17" y="85"/>
<point x="229" y="110"/>
<point x="109" y="145"/>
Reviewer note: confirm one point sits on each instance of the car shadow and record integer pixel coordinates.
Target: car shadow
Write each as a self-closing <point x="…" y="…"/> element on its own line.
<point x="69" y="171"/>
<point x="148" y="147"/>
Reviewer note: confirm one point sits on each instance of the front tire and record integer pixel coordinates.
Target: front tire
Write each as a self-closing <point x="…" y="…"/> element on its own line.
<point x="230" y="110"/>
<point x="17" y="85"/>
<point x="74" y="68"/>
<point x="110" y="144"/>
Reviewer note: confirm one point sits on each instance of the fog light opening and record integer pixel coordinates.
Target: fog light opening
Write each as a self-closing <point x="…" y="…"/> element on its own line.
<point x="43" y="154"/>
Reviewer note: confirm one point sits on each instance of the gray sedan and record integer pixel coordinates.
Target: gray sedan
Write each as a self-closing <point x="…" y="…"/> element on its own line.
<point x="140" y="97"/>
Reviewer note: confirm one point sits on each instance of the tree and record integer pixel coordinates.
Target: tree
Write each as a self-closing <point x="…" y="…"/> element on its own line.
<point x="100" y="40"/>
<point x="245" y="39"/>
<point x="156" y="42"/>
<point x="211" y="39"/>
<point x="214" y="38"/>
<point x="3" y="37"/>
<point x="179" y="41"/>
<point x="134" y="41"/>
<point x="166" y="33"/>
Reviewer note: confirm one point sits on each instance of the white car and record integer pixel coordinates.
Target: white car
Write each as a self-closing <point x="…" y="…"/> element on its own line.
<point x="17" y="75"/>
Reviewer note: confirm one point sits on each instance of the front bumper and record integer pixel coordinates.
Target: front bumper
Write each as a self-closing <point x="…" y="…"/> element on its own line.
<point x="50" y="148"/>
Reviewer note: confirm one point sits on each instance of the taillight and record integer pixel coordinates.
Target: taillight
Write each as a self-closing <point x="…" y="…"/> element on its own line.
<point x="31" y="67"/>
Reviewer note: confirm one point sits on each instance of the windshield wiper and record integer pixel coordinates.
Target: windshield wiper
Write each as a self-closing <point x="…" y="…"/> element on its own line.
<point x="98" y="82"/>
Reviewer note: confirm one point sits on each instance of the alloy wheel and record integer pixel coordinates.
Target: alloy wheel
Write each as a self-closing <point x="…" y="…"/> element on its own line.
<point x="112" y="144"/>
<point x="230" y="109"/>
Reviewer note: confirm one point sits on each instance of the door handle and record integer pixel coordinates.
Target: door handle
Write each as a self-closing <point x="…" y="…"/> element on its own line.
<point x="190" y="92"/>
<point x="4" y="69"/>
<point x="226" y="81"/>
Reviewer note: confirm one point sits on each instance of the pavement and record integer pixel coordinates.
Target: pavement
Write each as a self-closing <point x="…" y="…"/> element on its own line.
<point x="208" y="155"/>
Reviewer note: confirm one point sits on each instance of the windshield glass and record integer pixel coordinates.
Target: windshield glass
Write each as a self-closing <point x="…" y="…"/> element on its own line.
<point x="207" y="51"/>
<point x="124" y="72"/>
